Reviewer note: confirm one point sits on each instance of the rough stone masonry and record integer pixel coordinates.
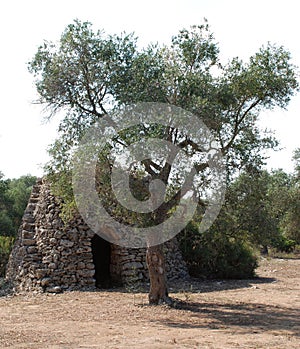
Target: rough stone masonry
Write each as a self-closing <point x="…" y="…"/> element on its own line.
<point x="51" y="256"/>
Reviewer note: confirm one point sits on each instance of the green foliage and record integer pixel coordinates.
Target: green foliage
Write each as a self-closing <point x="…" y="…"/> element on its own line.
<point x="290" y="223"/>
<point x="296" y="158"/>
<point x="213" y="254"/>
<point x="88" y="73"/>
<point x="248" y="201"/>
<point x="283" y="200"/>
<point x="18" y="192"/>
<point x="284" y="244"/>
<point x="6" y="243"/>
<point x="261" y="210"/>
<point x="7" y="227"/>
<point x="81" y="73"/>
<point x="14" y="195"/>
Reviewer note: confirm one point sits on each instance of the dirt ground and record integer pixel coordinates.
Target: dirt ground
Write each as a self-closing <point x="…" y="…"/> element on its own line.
<point x="260" y="313"/>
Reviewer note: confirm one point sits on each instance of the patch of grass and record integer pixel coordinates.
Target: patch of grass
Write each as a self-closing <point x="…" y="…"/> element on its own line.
<point x="295" y="254"/>
<point x="6" y="244"/>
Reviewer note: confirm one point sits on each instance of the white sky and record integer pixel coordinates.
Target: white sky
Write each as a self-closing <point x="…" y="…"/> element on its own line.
<point x="240" y="27"/>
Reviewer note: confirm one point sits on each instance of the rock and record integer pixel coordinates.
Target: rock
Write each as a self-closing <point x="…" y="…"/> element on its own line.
<point x="132" y="266"/>
<point x="40" y="273"/>
<point x="66" y="243"/>
<point x="28" y="226"/>
<point x="54" y="289"/>
<point x="31" y="250"/>
<point x="58" y="234"/>
<point x="90" y="266"/>
<point x="47" y="259"/>
<point x="28" y="242"/>
<point x="30" y="208"/>
<point x="86" y="273"/>
<point x="80" y="265"/>
<point x="52" y="265"/>
<point x="53" y="241"/>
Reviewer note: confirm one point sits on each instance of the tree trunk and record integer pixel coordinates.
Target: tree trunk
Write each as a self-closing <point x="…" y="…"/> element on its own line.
<point x="158" y="284"/>
<point x="264" y="250"/>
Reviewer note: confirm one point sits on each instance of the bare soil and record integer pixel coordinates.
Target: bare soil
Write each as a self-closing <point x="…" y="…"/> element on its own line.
<point x="259" y="313"/>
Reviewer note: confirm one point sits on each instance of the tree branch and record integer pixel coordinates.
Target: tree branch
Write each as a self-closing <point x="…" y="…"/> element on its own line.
<point x="238" y="123"/>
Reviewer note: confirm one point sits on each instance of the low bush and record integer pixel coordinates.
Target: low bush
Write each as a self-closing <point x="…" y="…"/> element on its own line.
<point x="285" y="245"/>
<point x="6" y="243"/>
<point x="215" y="255"/>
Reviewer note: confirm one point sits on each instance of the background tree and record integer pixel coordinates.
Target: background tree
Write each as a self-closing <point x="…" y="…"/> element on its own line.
<point x="245" y="224"/>
<point x="251" y="203"/>
<point x="6" y="220"/>
<point x="14" y="195"/>
<point x="290" y="223"/>
<point x="87" y="74"/>
<point x="260" y="213"/>
<point x="290" y="219"/>
<point x="296" y="158"/>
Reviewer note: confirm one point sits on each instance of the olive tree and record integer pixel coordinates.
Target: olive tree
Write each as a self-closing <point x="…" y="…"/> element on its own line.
<point x="86" y="74"/>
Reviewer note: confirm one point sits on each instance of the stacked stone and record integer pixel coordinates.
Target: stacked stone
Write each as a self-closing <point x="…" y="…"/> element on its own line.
<point x="176" y="267"/>
<point x="25" y="259"/>
<point x="129" y="265"/>
<point x="51" y="256"/>
<point x="65" y="249"/>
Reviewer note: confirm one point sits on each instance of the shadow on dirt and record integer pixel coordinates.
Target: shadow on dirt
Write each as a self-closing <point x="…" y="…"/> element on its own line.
<point x="190" y="285"/>
<point x="199" y="286"/>
<point x="247" y="317"/>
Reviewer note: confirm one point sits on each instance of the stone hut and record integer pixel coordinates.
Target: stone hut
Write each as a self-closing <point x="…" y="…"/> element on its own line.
<point x="51" y="256"/>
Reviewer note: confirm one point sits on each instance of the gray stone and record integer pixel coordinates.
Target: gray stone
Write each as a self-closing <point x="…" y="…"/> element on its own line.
<point x="86" y="273"/>
<point x="40" y="273"/>
<point x="132" y="266"/>
<point x="90" y="266"/>
<point x="66" y="243"/>
<point x="47" y="259"/>
<point x="52" y="265"/>
<point x="28" y="226"/>
<point x="53" y="241"/>
<point x="58" y="234"/>
<point x="27" y="234"/>
<point x="80" y="265"/>
<point x="54" y="289"/>
<point x="32" y="250"/>
<point x="28" y="242"/>
<point x="48" y="252"/>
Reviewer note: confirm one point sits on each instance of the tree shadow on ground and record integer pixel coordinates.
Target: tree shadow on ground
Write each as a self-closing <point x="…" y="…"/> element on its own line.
<point x="199" y="285"/>
<point x="247" y="317"/>
<point x="286" y="258"/>
<point x="190" y="285"/>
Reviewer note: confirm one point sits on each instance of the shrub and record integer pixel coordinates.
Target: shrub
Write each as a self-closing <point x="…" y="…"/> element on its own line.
<point x="6" y="243"/>
<point x="285" y="245"/>
<point x="215" y="255"/>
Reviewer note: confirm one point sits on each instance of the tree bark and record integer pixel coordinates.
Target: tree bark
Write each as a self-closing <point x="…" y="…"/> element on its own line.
<point x="158" y="284"/>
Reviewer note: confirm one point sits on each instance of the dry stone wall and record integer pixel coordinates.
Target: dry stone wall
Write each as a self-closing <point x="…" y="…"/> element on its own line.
<point x="51" y="256"/>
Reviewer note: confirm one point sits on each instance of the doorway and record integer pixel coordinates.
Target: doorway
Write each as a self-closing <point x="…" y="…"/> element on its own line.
<point x="101" y="251"/>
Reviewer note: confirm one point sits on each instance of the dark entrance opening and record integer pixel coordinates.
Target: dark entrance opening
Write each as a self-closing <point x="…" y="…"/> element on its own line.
<point x="101" y="257"/>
